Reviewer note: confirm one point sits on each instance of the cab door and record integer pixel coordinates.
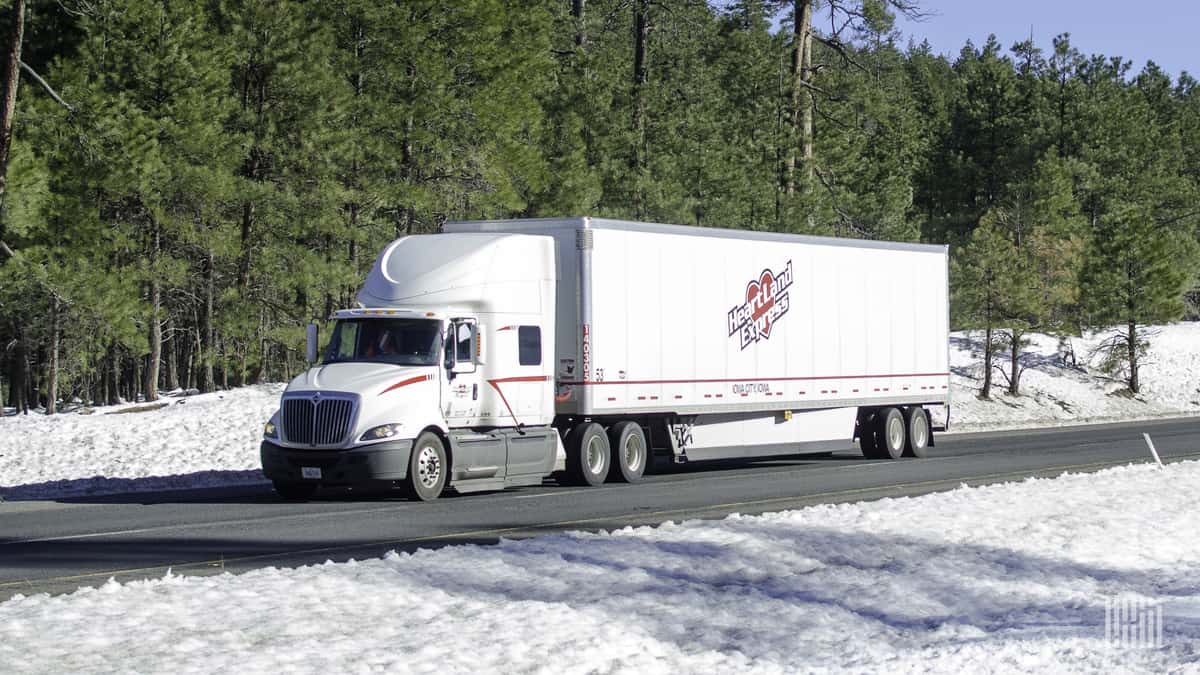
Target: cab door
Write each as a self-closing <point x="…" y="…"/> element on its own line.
<point x="463" y="389"/>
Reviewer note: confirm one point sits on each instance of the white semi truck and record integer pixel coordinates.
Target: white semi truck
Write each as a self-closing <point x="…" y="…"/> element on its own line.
<point x="497" y="353"/>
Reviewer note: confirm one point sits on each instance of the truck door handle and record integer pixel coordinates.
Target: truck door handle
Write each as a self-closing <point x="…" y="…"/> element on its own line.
<point x="475" y="392"/>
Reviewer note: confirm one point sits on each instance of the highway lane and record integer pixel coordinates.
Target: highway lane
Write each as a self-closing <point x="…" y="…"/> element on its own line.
<point x="56" y="547"/>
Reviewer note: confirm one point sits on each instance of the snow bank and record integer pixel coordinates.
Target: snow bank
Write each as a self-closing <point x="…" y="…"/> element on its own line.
<point x="196" y="441"/>
<point x="1005" y="578"/>
<point x="1053" y="392"/>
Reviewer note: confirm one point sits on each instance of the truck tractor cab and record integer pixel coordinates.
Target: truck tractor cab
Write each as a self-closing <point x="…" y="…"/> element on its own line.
<point x="441" y="378"/>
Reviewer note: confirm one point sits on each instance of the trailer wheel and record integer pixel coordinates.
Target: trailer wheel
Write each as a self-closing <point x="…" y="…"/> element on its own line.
<point x="890" y="434"/>
<point x="294" y="491"/>
<point x="917" y="422"/>
<point x="588" y="454"/>
<point x="628" y="452"/>
<point x="427" y="468"/>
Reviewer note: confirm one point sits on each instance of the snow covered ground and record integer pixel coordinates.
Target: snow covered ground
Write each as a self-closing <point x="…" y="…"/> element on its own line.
<point x="1005" y="578"/>
<point x="213" y="439"/>
<point x="196" y="441"/>
<point x="1052" y="392"/>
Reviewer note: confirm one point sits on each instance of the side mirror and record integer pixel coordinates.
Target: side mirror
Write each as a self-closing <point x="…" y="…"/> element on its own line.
<point x="311" y="334"/>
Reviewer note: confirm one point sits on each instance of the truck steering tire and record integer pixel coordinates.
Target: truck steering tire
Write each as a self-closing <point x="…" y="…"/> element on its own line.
<point x="427" y="468"/>
<point x="588" y="454"/>
<point x="628" y="452"/>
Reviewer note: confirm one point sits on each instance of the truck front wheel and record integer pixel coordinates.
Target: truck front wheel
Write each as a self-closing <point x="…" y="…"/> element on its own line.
<point x="427" y="468"/>
<point x="588" y="454"/>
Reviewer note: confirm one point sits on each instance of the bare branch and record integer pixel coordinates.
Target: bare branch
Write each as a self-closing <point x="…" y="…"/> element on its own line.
<point x="1169" y="221"/>
<point x="78" y="7"/>
<point x="840" y="48"/>
<point x="49" y="90"/>
<point x="846" y="218"/>
<point x="6" y="250"/>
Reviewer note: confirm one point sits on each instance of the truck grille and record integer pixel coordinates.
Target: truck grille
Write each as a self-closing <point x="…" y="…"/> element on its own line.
<point x="317" y="421"/>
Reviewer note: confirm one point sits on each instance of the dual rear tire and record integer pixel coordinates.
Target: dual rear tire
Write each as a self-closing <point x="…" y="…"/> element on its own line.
<point x="596" y="455"/>
<point x="892" y="433"/>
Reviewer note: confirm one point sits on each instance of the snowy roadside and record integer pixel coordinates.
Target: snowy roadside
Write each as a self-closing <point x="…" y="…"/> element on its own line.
<point x="197" y="441"/>
<point x="212" y="439"/>
<point x="1054" y="393"/>
<point x="1004" y="578"/>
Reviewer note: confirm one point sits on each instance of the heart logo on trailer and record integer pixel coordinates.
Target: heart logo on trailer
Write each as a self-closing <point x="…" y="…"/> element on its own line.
<point x="766" y="302"/>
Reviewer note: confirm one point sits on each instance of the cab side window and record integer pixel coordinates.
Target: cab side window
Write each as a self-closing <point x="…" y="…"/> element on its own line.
<point x="529" y="345"/>
<point x="462" y="343"/>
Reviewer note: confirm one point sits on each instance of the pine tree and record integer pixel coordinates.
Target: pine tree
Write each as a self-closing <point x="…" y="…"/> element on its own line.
<point x="983" y="274"/>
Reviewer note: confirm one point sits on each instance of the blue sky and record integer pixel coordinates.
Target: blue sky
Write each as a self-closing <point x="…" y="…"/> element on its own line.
<point x="1165" y="31"/>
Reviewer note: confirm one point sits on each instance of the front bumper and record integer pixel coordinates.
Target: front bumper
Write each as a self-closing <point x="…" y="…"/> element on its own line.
<point x="382" y="461"/>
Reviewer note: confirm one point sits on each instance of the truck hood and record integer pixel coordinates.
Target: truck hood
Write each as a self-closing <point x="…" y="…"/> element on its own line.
<point x="361" y="378"/>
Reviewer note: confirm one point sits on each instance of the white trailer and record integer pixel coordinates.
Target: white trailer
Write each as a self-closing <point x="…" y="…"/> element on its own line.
<point x="592" y="348"/>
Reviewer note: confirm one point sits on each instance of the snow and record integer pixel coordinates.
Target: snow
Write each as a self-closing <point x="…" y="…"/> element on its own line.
<point x="1054" y="393"/>
<point x="1004" y="578"/>
<point x="212" y="439"/>
<point x="194" y="441"/>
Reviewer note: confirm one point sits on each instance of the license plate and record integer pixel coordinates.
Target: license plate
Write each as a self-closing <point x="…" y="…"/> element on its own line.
<point x="310" y="472"/>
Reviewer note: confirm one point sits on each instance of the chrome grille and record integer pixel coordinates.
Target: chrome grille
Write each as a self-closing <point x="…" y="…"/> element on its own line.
<point x="323" y="421"/>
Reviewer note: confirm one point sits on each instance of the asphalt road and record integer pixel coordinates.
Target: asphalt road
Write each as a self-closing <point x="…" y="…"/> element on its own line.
<point x="55" y="547"/>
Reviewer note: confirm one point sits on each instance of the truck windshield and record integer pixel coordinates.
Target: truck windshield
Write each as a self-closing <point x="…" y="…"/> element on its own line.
<point x="405" y="342"/>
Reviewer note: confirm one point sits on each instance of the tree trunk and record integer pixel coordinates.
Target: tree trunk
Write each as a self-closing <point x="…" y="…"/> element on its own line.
<point x="1014" y="377"/>
<point x="150" y="386"/>
<point x="28" y="386"/>
<point x="52" y="361"/>
<point x="12" y="78"/>
<point x="405" y="214"/>
<point x="802" y="98"/>
<point x="246" y="256"/>
<point x="327" y="240"/>
<point x="260" y="375"/>
<point x="1131" y="342"/>
<point x="18" y="386"/>
<point x="207" y="333"/>
<point x="171" y="355"/>
<point x="577" y="11"/>
<point x="641" y="34"/>
<point x="114" y="376"/>
<point x="986" y="391"/>
<point x="135" y="381"/>
<point x="224" y="365"/>
<point x="243" y="356"/>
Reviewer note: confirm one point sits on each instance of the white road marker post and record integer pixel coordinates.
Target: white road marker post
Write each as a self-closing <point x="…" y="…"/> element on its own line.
<point x="1150" y="444"/>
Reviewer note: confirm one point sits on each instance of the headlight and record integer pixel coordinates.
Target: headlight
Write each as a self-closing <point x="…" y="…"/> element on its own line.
<point x="269" y="429"/>
<point x="380" y="432"/>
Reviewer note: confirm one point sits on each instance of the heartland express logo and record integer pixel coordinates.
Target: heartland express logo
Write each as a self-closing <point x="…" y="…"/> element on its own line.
<point x="766" y="302"/>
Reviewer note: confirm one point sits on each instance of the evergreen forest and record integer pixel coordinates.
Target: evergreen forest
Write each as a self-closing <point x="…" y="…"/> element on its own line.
<point x="184" y="184"/>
